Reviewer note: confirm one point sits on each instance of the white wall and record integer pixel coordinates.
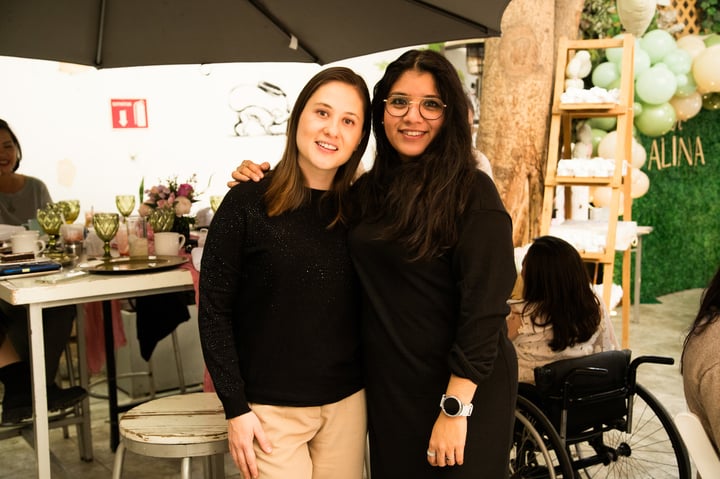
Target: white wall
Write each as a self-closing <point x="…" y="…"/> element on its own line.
<point x="63" y="122"/>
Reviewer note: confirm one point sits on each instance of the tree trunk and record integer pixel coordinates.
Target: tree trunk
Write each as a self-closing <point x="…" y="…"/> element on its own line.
<point x="515" y="103"/>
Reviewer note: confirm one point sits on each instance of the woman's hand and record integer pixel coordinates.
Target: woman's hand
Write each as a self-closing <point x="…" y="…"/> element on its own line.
<point x="248" y="170"/>
<point x="242" y="432"/>
<point x="447" y="442"/>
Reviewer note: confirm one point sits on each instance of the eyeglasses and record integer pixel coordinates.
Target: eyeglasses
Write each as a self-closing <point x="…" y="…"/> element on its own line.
<point x="429" y="108"/>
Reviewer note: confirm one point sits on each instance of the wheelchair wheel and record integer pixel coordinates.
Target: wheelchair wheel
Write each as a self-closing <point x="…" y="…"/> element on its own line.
<point x="653" y="449"/>
<point x="537" y="450"/>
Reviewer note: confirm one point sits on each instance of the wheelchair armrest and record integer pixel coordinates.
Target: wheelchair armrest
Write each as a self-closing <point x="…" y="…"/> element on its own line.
<point x="632" y="370"/>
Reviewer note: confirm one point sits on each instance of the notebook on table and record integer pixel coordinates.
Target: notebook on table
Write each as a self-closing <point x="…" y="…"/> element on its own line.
<point x="27" y="268"/>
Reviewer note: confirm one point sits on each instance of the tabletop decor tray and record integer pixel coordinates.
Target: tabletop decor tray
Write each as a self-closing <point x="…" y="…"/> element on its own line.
<point x="134" y="264"/>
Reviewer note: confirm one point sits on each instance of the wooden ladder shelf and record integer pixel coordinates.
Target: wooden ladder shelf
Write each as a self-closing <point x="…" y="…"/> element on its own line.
<point x="560" y="141"/>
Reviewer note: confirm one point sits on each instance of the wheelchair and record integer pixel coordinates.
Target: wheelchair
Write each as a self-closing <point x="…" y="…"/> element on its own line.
<point x="588" y="418"/>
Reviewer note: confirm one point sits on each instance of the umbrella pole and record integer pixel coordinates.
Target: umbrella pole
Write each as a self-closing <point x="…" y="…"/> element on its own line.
<point x="101" y="31"/>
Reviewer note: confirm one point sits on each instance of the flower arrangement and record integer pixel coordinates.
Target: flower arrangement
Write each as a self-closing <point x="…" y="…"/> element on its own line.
<point x="173" y="196"/>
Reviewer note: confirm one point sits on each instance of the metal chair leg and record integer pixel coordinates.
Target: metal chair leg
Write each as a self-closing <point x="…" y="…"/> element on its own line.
<point x="185" y="468"/>
<point x="178" y="362"/>
<point x="118" y="462"/>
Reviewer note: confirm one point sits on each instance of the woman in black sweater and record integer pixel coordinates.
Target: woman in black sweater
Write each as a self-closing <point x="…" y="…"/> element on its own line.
<point x="279" y="298"/>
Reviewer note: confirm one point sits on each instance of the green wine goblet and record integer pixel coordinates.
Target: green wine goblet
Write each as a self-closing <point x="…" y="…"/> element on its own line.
<point x="106" y="226"/>
<point x="71" y="210"/>
<point x="215" y="201"/>
<point x="125" y="205"/>
<point x="50" y="219"/>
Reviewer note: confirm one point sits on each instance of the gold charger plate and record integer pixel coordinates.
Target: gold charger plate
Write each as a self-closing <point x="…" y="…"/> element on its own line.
<point x="136" y="264"/>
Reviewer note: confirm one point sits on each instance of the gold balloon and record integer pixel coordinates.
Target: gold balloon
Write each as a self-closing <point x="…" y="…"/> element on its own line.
<point x="706" y="70"/>
<point x="711" y="101"/>
<point x="687" y="107"/>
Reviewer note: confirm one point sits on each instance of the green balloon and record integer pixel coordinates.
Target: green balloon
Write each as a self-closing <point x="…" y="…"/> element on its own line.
<point x="615" y="54"/>
<point x="657" y="44"/>
<point x="656" y="120"/>
<point x="606" y="124"/>
<point x="604" y="74"/>
<point x="681" y="80"/>
<point x="712" y="39"/>
<point x="687" y="88"/>
<point x="641" y="63"/>
<point x="614" y="85"/>
<point x="637" y="108"/>
<point x="678" y="61"/>
<point x="597" y="136"/>
<point x="657" y="85"/>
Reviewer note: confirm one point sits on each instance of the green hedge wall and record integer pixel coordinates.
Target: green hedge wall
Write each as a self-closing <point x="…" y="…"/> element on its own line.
<point x="683" y="206"/>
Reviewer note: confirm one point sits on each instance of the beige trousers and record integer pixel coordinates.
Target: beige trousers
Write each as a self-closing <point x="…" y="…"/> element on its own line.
<point x="316" y="442"/>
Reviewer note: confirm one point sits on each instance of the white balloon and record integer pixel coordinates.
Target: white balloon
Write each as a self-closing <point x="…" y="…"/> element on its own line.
<point x="606" y="147"/>
<point x="639" y="155"/>
<point x="635" y="15"/>
<point x="640" y="183"/>
<point x="601" y="197"/>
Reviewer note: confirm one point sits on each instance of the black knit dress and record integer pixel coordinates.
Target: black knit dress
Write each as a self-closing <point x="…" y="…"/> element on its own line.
<point x="427" y="319"/>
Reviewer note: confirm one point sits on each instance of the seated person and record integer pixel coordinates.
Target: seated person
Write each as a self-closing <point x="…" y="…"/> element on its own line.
<point x="559" y="316"/>
<point x="20" y="197"/>
<point x="700" y="364"/>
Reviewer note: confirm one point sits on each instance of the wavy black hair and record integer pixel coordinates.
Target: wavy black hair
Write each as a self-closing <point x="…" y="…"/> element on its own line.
<point x="558" y="292"/>
<point x="424" y="197"/>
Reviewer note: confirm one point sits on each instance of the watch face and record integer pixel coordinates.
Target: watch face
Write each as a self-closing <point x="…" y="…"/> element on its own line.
<point x="451" y="405"/>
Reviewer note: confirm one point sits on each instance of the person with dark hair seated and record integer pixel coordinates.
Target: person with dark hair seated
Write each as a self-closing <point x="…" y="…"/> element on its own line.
<point x="20" y="197"/>
<point x="559" y="315"/>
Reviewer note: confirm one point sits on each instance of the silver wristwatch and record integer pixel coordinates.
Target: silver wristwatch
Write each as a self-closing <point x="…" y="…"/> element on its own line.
<point x="453" y="406"/>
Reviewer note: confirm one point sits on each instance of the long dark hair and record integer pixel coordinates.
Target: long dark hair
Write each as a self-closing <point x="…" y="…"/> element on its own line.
<point x="425" y="197"/>
<point x="4" y="126"/>
<point x="708" y="313"/>
<point x="287" y="189"/>
<point x="558" y="292"/>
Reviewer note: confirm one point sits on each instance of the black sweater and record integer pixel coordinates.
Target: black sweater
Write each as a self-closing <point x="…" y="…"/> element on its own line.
<point x="279" y="305"/>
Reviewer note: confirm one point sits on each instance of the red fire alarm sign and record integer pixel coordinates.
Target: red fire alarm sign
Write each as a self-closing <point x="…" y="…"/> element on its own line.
<point x="129" y="113"/>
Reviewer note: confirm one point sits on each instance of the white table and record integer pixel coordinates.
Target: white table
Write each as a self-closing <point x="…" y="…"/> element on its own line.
<point x="94" y="287"/>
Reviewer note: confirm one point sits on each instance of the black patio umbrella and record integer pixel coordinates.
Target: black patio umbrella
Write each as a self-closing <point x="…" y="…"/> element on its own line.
<point x="121" y="33"/>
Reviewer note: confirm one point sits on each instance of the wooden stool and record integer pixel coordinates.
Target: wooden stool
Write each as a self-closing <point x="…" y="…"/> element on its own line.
<point x="182" y="426"/>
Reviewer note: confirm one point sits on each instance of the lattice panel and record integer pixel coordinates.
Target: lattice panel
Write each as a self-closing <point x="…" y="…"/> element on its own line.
<point x="687" y="14"/>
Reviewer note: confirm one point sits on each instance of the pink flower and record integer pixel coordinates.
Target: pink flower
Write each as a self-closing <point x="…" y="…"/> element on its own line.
<point x="173" y="195"/>
<point x="185" y="189"/>
<point x="145" y="209"/>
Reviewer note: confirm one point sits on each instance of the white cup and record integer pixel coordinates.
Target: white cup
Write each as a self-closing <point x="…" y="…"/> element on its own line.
<point x="168" y="243"/>
<point x="27" y="242"/>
